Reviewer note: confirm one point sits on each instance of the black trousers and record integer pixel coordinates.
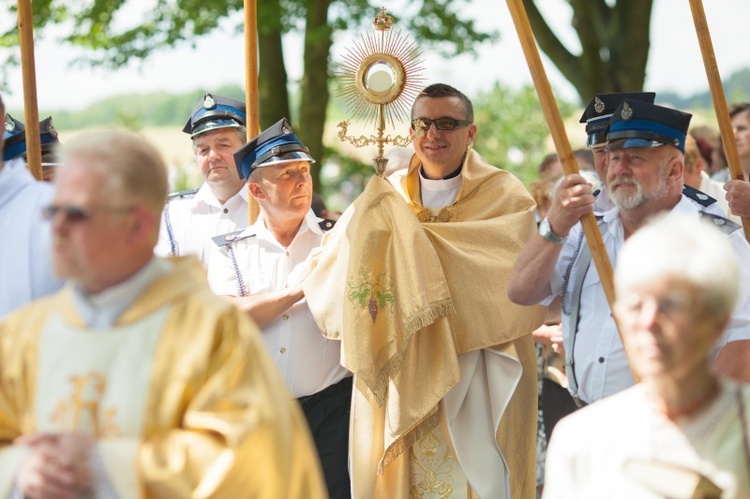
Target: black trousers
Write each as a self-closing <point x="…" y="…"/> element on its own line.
<point x="327" y="413"/>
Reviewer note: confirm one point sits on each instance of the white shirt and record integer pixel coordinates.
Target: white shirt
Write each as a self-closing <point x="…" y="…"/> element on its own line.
<point x="195" y="219"/>
<point x="437" y="194"/>
<point x="716" y="190"/>
<point x="26" y="248"/>
<point x="601" y="367"/>
<point x="307" y="361"/>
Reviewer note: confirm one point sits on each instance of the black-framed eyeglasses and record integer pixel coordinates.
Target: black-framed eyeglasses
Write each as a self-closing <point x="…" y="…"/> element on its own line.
<point x="77" y="214"/>
<point x="440" y="123"/>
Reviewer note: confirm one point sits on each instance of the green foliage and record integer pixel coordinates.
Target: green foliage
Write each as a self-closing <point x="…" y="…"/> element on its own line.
<point x="512" y="129"/>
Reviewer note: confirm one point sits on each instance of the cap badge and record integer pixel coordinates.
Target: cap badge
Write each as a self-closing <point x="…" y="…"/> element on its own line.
<point x="598" y="105"/>
<point x="10" y="125"/>
<point x="285" y="129"/>
<point x="208" y="101"/>
<point x="51" y="129"/>
<point x="627" y="111"/>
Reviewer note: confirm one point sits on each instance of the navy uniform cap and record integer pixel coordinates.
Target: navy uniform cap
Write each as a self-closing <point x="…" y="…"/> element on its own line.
<point x="640" y="124"/>
<point x="276" y="144"/>
<point x="600" y="109"/>
<point x="49" y="139"/>
<point x="213" y="112"/>
<point x="14" y="135"/>
<point x="15" y="138"/>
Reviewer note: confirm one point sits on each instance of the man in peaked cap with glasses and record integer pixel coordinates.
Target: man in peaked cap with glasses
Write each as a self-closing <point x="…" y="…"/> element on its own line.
<point x="644" y="176"/>
<point x="262" y="267"/>
<point x="26" y="253"/>
<point x="217" y="128"/>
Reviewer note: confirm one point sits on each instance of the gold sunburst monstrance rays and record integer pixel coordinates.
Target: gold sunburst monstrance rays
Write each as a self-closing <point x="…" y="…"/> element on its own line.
<point x="381" y="70"/>
<point x="380" y="78"/>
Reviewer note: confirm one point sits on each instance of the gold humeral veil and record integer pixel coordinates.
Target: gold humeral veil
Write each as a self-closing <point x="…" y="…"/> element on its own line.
<point x="408" y="292"/>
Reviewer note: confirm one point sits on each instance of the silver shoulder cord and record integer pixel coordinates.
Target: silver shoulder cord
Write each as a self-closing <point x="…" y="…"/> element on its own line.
<point x="240" y="282"/>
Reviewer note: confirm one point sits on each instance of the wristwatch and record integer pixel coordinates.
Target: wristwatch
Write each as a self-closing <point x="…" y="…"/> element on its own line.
<point x="546" y="232"/>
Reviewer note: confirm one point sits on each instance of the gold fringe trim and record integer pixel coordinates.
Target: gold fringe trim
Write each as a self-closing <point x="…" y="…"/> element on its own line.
<point x="419" y="321"/>
<point x="404" y="443"/>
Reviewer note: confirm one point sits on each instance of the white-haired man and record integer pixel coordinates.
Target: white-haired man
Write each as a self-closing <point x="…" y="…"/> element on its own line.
<point x="135" y="380"/>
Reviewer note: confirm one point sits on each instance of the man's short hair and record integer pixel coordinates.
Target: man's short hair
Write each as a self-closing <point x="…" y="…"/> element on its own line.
<point x="133" y="167"/>
<point x="738" y="108"/>
<point x="684" y="248"/>
<point x="438" y="90"/>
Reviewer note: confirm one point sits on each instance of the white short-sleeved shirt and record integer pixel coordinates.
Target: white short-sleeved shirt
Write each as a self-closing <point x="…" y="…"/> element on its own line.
<point x="307" y="361"/>
<point x="601" y="367"/>
<point x="193" y="219"/>
<point x="26" y="248"/>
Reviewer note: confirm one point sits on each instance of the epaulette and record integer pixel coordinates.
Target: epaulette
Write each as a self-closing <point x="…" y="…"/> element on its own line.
<point x="230" y="237"/>
<point x="326" y="224"/>
<point x="699" y="197"/>
<point x="187" y="193"/>
<point x="723" y="224"/>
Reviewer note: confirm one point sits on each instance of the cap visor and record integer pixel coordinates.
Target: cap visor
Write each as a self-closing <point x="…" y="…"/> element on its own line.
<point x="209" y="125"/>
<point x="633" y="142"/>
<point x="287" y="157"/>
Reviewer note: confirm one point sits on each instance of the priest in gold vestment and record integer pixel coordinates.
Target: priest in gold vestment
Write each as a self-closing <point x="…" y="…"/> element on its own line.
<point x="135" y="380"/>
<point x="444" y="403"/>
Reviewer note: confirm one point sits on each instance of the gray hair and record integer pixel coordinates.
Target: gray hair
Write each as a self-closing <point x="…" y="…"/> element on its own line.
<point x="132" y="166"/>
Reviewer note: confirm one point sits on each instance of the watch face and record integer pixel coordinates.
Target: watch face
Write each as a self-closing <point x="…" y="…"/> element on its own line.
<point x="546" y="232"/>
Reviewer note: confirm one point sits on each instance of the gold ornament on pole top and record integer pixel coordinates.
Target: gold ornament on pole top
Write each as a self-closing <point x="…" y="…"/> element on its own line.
<point x="380" y="79"/>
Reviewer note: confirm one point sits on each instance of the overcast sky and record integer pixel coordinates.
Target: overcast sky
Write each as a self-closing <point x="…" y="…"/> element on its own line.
<point x="674" y="62"/>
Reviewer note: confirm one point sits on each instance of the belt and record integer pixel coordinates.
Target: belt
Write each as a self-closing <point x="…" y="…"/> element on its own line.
<point x="344" y="384"/>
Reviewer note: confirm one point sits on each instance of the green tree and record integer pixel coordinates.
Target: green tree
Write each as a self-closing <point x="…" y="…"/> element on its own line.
<point x="614" y="36"/>
<point x="512" y="130"/>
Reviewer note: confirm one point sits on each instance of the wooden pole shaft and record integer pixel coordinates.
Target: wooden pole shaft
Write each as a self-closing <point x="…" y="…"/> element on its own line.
<point x="31" y="112"/>
<point x="251" y="85"/>
<point x="719" y="100"/>
<point x="562" y="145"/>
<point x="251" y="68"/>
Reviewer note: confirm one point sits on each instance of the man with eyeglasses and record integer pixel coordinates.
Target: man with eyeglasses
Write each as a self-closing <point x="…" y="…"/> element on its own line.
<point x="644" y="176"/>
<point x="135" y="379"/>
<point x="192" y="217"/>
<point x="25" y="255"/>
<point x="445" y="395"/>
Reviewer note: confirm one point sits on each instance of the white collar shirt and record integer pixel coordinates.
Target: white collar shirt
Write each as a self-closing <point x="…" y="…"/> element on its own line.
<point x="308" y="362"/>
<point x="193" y="220"/>
<point x="601" y="367"/>
<point x="26" y="249"/>
<point x="436" y="194"/>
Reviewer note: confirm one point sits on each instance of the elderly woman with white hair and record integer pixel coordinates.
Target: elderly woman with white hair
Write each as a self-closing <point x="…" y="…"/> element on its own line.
<point x="681" y="432"/>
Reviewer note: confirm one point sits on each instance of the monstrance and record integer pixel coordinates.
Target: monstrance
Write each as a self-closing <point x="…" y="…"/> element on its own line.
<point x="380" y="79"/>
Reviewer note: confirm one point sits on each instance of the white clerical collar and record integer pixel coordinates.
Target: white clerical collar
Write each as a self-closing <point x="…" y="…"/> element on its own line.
<point x="101" y="310"/>
<point x="439" y="184"/>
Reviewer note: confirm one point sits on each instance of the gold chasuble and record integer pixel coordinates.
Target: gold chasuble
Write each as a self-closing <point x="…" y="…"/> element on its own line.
<point x="186" y="402"/>
<point x="420" y="304"/>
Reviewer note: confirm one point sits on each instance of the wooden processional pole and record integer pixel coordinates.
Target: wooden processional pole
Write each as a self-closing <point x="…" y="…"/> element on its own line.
<point x="31" y="112"/>
<point x="719" y="100"/>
